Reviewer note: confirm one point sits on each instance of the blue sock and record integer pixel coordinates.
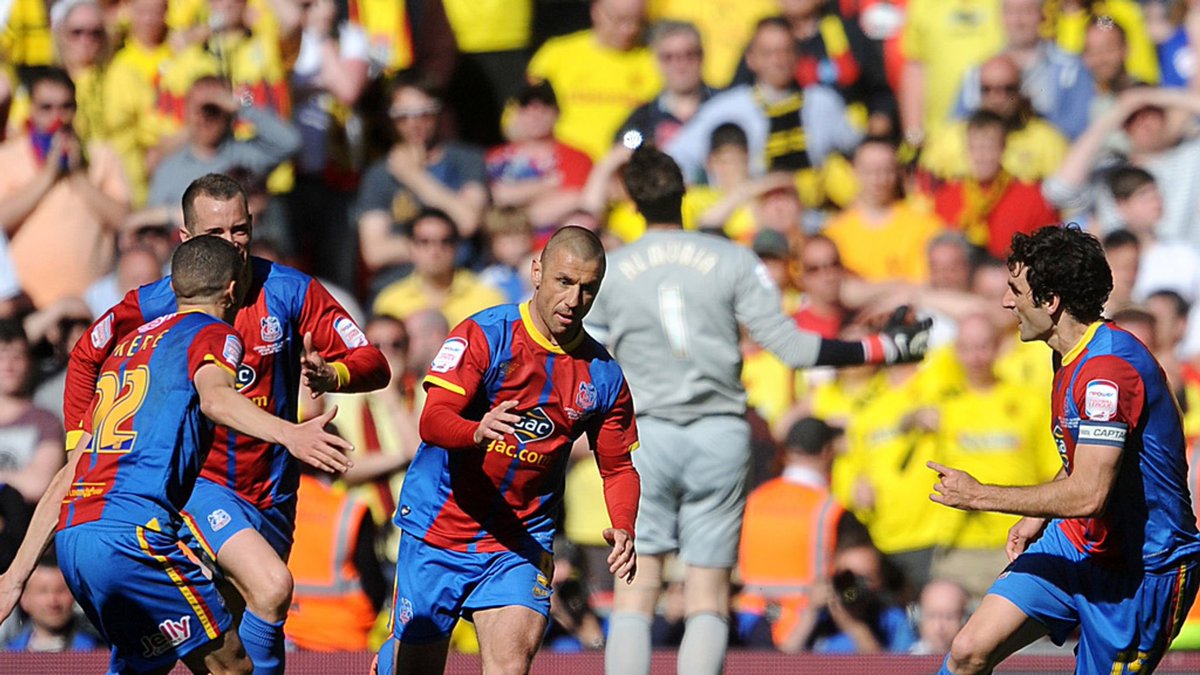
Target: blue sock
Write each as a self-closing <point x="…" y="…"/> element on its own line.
<point x="945" y="670"/>
<point x="264" y="644"/>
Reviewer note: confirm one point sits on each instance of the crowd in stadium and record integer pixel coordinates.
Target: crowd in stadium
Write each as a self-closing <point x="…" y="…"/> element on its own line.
<point x="415" y="155"/>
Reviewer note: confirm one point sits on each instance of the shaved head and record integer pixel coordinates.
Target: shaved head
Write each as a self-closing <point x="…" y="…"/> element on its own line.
<point x="579" y="242"/>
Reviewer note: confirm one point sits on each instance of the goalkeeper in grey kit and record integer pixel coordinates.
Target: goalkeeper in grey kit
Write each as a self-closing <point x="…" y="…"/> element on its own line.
<point x="670" y="311"/>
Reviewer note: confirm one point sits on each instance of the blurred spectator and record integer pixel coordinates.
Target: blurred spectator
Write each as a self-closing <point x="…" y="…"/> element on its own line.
<point x="1142" y="324"/>
<point x="725" y="27"/>
<point x="821" y="310"/>
<point x="1056" y="83"/>
<point x="493" y="43"/>
<point x="788" y="128"/>
<point x="600" y="75"/>
<point x="775" y="251"/>
<point x="1172" y="26"/>
<point x="25" y="37"/>
<point x="382" y="427"/>
<point x="680" y="54"/>
<point x="136" y="266"/>
<point x="59" y="194"/>
<point x="574" y="625"/>
<point x="408" y="36"/>
<point x="1069" y="19"/>
<point x="990" y="204"/>
<point x="881" y="214"/>
<point x="790" y="531"/>
<point x="133" y="123"/>
<point x="510" y="246"/>
<point x="421" y="170"/>
<point x="427" y="330"/>
<point x="52" y="332"/>
<point x="436" y="282"/>
<point x="834" y="52"/>
<point x="326" y="81"/>
<point x="852" y="613"/>
<point x="52" y="625"/>
<point x="211" y="147"/>
<point x="1151" y="119"/>
<point x="14" y="522"/>
<point x="725" y="204"/>
<point x="535" y="171"/>
<point x="1122" y="251"/>
<point x="941" y="611"/>
<point x="940" y="42"/>
<point x="1105" y="49"/>
<point x="949" y="256"/>
<point x="1033" y="147"/>
<point x="1170" y="312"/>
<point x="1011" y="448"/>
<point x="31" y="439"/>
<point x="339" y="584"/>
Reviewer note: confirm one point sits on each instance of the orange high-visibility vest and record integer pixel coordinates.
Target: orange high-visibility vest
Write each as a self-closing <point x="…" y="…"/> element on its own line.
<point x="330" y="612"/>
<point x="788" y="537"/>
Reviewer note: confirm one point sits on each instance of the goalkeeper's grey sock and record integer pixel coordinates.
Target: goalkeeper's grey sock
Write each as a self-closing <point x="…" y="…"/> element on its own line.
<point x="628" y="649"/>
<point x="705" y="637"/>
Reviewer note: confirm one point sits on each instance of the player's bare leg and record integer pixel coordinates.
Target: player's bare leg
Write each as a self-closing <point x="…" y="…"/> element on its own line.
<point x="418" y="659"/>
<point x="706" y="633"/>
<point x="264" y="582"/>
<point x="628" y="648"/>
<point x="223" y="656"/>
<point x="508" y="639"/>
<point x="996" y="630"/>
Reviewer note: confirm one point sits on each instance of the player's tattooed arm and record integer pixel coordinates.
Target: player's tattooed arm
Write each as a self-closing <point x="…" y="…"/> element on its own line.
<point x="40" y="532"/>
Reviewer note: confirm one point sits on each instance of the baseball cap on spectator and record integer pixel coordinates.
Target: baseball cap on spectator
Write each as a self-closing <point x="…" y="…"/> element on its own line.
<point x="809" y="436"/>
<point x="771" y="244"/>
<point x="541" y="92"/>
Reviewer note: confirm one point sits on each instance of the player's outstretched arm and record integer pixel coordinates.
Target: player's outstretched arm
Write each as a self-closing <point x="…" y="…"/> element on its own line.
<point x="309" y="442"/>
<point x="41" y="531"/>
<point x="1082" y="494"/>
<point x="443" y="424"/>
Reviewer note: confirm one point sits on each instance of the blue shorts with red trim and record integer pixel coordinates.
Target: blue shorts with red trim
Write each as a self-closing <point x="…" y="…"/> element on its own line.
<point x="148" y="598"/>
<point x="1126" y="619"/>
<point x="215" y="513"/>
<point x="434" y="586"/>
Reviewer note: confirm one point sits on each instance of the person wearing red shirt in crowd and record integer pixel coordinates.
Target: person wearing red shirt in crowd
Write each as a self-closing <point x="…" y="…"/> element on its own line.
<point x="991" y="205"/>
<point x="821" y="311"/>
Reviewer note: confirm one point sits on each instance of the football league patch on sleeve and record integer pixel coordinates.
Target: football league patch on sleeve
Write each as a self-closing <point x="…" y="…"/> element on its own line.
<point x="102" y="333"/>
<point x="352" y="336"/>
<point x="1100" y="400"/>
<point x="449" y="356"/>
<point x="232" y="351"/>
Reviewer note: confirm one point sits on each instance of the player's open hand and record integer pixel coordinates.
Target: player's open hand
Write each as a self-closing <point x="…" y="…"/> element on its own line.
<point x="312" y="444"/>
<point x="497" y="422"/>
<point x="319" y="376"/>
<point x="1023" y="533"/>
<point x="10" y="595"/>
<point x="622" y="560"/>
<point x="954" y="488"/>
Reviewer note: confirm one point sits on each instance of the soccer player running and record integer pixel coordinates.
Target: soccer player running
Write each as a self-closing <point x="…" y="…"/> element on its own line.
<point x="117" y="501"/>
<point x="1109" y="546"/>
<point x="510" y="391"/>
<point x="242" y="511"/>
<point x="671" y="310"/>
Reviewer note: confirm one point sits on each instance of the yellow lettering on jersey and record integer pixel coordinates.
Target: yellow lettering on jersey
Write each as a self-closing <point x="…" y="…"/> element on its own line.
<point x="260" y="401"/>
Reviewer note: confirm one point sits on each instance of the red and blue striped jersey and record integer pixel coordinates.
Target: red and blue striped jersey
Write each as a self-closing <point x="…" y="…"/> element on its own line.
<point x="149" y="438"/>
<point x="1111" y="391"/>
<point x="281" y="305"/>
<point x="507" y="495"/>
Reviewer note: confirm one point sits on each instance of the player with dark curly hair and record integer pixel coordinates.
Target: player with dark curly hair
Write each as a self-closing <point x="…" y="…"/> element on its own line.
<point x="1115" y="557"/>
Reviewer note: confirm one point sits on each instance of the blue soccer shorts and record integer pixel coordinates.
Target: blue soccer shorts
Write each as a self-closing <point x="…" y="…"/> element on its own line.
<point x="434" y="586"/>
<point x="1126" y="620"/>
<point x="215" y="513"/>
<point x="142" y="592"/>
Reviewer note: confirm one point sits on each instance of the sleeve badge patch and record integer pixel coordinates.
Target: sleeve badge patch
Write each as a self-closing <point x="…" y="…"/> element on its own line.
<point x="449" y="356"/>
<point x="1100" y="400"/>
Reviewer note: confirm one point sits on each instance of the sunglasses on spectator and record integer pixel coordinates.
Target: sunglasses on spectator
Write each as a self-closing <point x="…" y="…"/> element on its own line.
<point x="94" y="32"/>
<point x="1006" y="88"/>
<point x="813" y="268"/>
<point x="686" y="55"/>
<point x="427" y="111"/>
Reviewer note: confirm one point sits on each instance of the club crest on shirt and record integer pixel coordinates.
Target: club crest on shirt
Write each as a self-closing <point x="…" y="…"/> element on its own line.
<point x="1100" y="400"/>
<point x="585" y="398"/>
<point x="534" y="425"/>
<point x="449" y="356"/>
<point x="218" y="519"/>
<point x="404" y="612"/>
<point x="270" y="329"/>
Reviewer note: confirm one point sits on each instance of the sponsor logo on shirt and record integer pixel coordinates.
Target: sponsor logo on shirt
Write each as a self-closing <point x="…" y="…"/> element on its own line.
<point x="449" y="356"/>
<point x="232" y="351"/>
<point x="270" y="329"/>
<point x="517" y="452"/>
<point x="352" y="336"/>
<point x="102" y="333"/>
<point x="245" y="377"/>
<point x="171" y="633"/>
<point x="1100" y="400"/>
<point x="534" y="425"/>
<point x="218" y="519"/>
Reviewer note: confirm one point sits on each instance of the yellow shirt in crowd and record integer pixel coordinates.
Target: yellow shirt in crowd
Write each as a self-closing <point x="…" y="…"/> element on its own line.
<point x="490" y="25"/>
<point x="1141" y="62"/>
<point x="466" y="295"/>
<point x="1030" y="153"/>
<point x="597" y="87"/>
<point x="907" y="233"/>
<point x="725" y="27"/>
<point x="132" y="117"/>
